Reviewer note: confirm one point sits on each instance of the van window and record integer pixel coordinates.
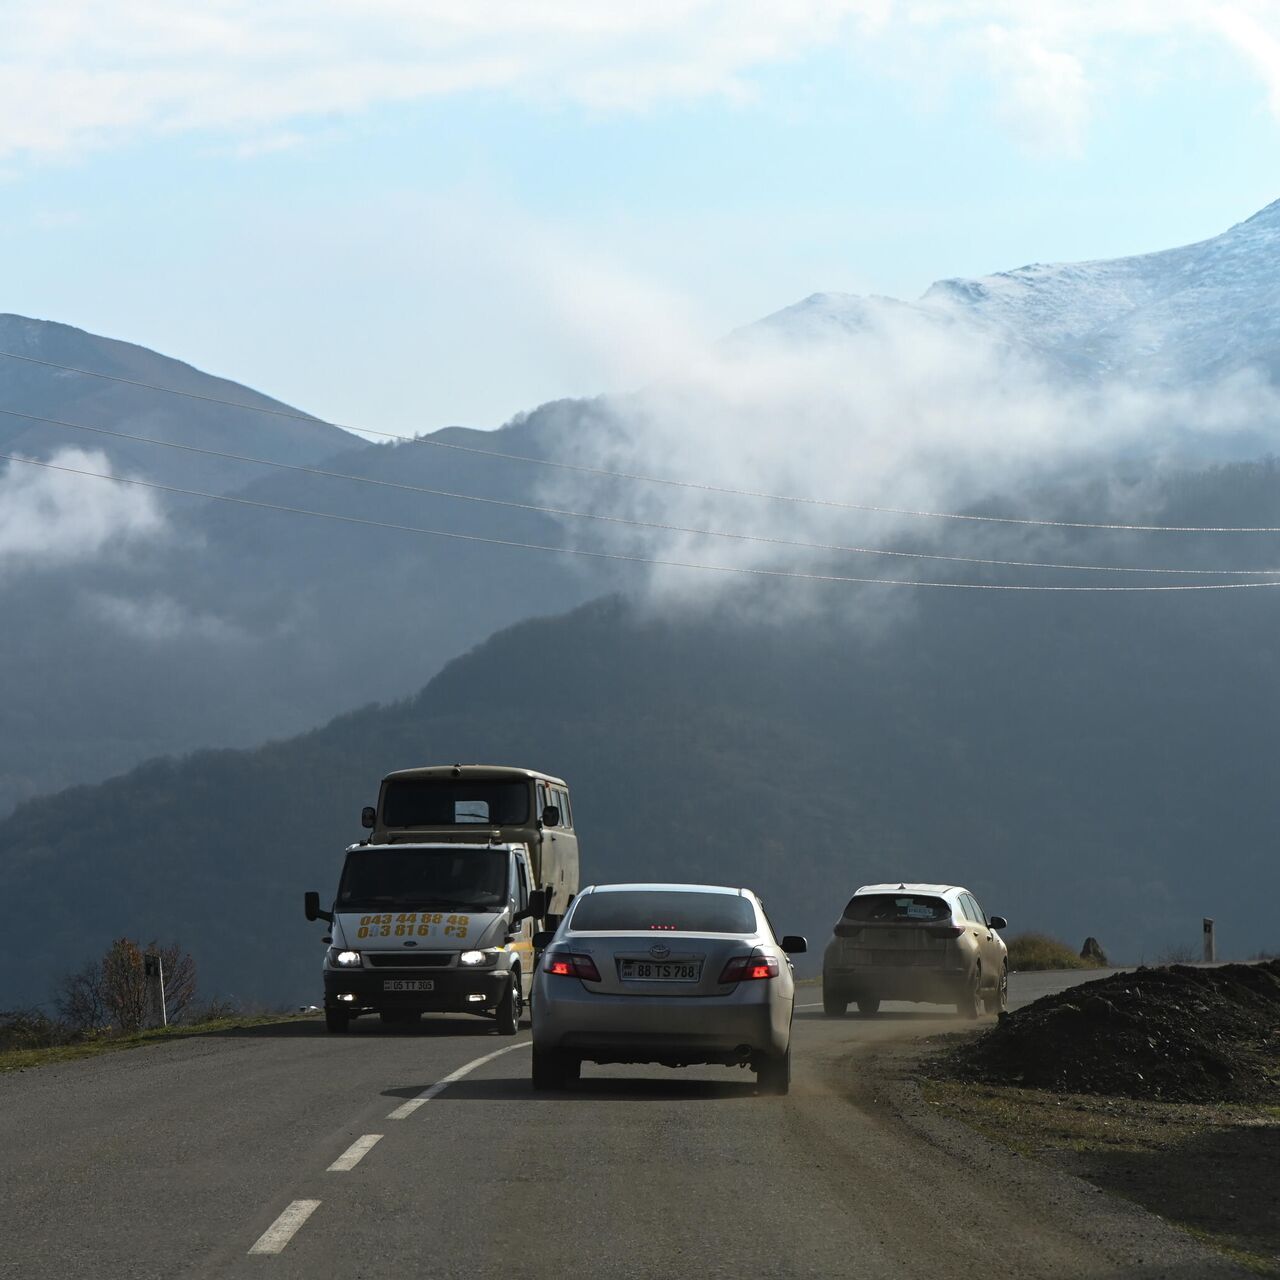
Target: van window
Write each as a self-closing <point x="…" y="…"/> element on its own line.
<point x="522" y="885"/>
<point x="455" y="802"/>
<point x="566" y="814"/>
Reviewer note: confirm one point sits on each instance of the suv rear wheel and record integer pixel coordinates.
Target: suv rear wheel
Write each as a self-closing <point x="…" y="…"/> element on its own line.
<point x="869" y="1006"/>
<point x="834" y="1005"/>
<point x="997" y="1001"/>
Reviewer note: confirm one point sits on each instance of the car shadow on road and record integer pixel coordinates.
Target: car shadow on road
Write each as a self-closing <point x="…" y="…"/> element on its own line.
<point x="589" y="1089"/>
<point x="307" y="1028"/>
<point x="889" y="1015"/>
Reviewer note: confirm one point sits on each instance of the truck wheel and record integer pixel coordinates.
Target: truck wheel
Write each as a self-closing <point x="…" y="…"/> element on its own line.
<point x="833" y="1005"/>
<point x="869" y="1007"/>
<point x="773" y="1075"/>
<point x="510" y="1007"/>
<point x="336" y="1020"/>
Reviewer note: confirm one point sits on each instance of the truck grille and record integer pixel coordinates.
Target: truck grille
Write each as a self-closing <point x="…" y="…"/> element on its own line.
<point x="410" y="960"/>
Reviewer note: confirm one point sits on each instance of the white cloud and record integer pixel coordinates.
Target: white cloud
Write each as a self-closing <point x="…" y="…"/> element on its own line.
<point x="82" y="73"/>
<point x="50" y="518"/>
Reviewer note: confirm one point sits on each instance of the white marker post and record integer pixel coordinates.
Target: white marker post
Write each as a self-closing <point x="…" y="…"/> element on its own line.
<point x="1210" y="944"/>
<point x="153" y="973"/>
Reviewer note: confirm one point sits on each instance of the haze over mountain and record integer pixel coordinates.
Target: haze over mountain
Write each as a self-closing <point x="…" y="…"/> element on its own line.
<point x="1086" y="764"/>
<point x="153" y="624"/>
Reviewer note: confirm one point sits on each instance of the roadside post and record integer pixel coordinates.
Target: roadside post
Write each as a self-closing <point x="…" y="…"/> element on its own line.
<point x="153" y="973"/>
<point x="1210" y="944"/>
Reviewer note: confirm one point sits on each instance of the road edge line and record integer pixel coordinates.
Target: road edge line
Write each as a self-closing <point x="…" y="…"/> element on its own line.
<point x="406" y="1109"/>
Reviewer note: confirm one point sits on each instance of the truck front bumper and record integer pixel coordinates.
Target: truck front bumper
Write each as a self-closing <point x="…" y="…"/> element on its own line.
<point x="451" y="990"/>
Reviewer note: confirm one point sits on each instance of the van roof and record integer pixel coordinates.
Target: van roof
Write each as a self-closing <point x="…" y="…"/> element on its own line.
<point x="473" y="771"/>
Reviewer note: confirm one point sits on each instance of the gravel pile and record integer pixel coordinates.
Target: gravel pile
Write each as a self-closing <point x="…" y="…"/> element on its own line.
<point x="1177" y="1034"/>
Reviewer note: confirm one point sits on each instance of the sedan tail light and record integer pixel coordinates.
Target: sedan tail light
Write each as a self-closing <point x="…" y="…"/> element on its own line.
<point x="745" y="968"/>
<point x="566" y="964"/>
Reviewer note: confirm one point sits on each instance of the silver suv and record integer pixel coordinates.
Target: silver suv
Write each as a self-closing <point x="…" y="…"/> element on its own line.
<point x="919" y="942"/>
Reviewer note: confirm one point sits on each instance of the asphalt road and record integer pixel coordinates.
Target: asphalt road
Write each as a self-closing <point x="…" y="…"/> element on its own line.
<point x="283" y="1152"/>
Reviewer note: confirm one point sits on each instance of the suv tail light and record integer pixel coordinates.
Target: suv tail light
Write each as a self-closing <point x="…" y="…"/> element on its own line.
<point x="745" y="968"/>
<point x="566" y="964"/>
<point x="945" y="930"/>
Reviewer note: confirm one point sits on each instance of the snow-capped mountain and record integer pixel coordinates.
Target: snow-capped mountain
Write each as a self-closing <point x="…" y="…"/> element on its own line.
<point x="1199" y="311"/>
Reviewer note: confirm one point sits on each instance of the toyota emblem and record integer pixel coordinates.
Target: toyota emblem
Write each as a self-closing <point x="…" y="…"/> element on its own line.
<point x="659" y="952"/>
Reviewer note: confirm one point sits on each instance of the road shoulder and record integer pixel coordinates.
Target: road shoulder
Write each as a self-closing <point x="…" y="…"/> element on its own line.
<point x="891" y="1079"/>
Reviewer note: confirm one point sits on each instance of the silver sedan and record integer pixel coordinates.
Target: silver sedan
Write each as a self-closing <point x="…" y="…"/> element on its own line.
<point x="669" y="973"/>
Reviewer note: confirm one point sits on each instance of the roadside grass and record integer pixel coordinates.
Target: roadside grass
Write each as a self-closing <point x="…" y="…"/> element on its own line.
<point x="1210" y="1169"/>
<point x="1039" y="951"/>
<point x="25" y="1059"/>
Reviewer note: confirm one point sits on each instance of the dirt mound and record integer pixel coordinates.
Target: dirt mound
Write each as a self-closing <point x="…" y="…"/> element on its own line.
<point x="1177" y="1034"/>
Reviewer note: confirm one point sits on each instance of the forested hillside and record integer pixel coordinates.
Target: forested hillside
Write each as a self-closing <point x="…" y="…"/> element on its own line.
<point x="1087" y="764"/>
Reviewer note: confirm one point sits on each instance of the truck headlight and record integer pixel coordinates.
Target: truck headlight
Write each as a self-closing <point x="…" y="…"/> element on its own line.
<point x="341" y="958"/>
<point x="478" y="959"/>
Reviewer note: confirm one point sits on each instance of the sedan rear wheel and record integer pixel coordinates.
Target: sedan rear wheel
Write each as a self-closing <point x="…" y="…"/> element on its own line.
<point x="552" y="1070"/>
<point x="773" y="1075"/>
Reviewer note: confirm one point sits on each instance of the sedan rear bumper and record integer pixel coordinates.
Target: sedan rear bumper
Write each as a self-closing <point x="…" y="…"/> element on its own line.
<point x="676" y="1031"/>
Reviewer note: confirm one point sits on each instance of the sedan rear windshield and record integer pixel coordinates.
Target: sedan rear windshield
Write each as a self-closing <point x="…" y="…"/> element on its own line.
<point x="646" y="910"/>
<point x="876" y="908"/>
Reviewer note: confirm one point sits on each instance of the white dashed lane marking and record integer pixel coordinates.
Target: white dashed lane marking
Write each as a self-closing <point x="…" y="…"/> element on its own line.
<point x="405" y="1110"/>
<point x="354" y="1153"/>
<point x="285" y="1227"/>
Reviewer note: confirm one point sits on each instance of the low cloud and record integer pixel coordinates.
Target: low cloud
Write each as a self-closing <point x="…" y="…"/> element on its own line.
<point x="50" y="518"/>
<point x="160" y="619"/>
<point x="906" y="409"/>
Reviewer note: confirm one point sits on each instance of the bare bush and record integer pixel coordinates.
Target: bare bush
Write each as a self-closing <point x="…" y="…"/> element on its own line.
<point x="112" y="991"/>
<point x="1178" y="953"/>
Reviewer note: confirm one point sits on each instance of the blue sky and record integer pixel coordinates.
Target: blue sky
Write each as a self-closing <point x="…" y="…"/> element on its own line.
<point x="404" y="216"/>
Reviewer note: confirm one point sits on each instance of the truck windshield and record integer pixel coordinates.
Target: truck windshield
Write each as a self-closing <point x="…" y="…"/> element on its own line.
<point x="450" y="802"/>
<point x="470" y="877"/>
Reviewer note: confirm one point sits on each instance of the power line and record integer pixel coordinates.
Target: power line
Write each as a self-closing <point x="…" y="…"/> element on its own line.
<point x="635" y="524"/>
<point x="617" y="555"/>
<point x="604" y="472"/>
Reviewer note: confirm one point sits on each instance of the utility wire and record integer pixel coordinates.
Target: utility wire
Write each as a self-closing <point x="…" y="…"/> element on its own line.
<point x="699" y="486"/>
<point x="635" y="524"/>
<point x="617" y="555"/>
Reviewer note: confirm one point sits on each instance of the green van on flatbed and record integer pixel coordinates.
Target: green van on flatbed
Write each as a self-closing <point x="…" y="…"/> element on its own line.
<point x="483" y="804"/>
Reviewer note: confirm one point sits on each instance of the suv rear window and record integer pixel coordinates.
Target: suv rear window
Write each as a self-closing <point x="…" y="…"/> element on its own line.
<point x="646" y="910"/>
<point x="872" y="908"/>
